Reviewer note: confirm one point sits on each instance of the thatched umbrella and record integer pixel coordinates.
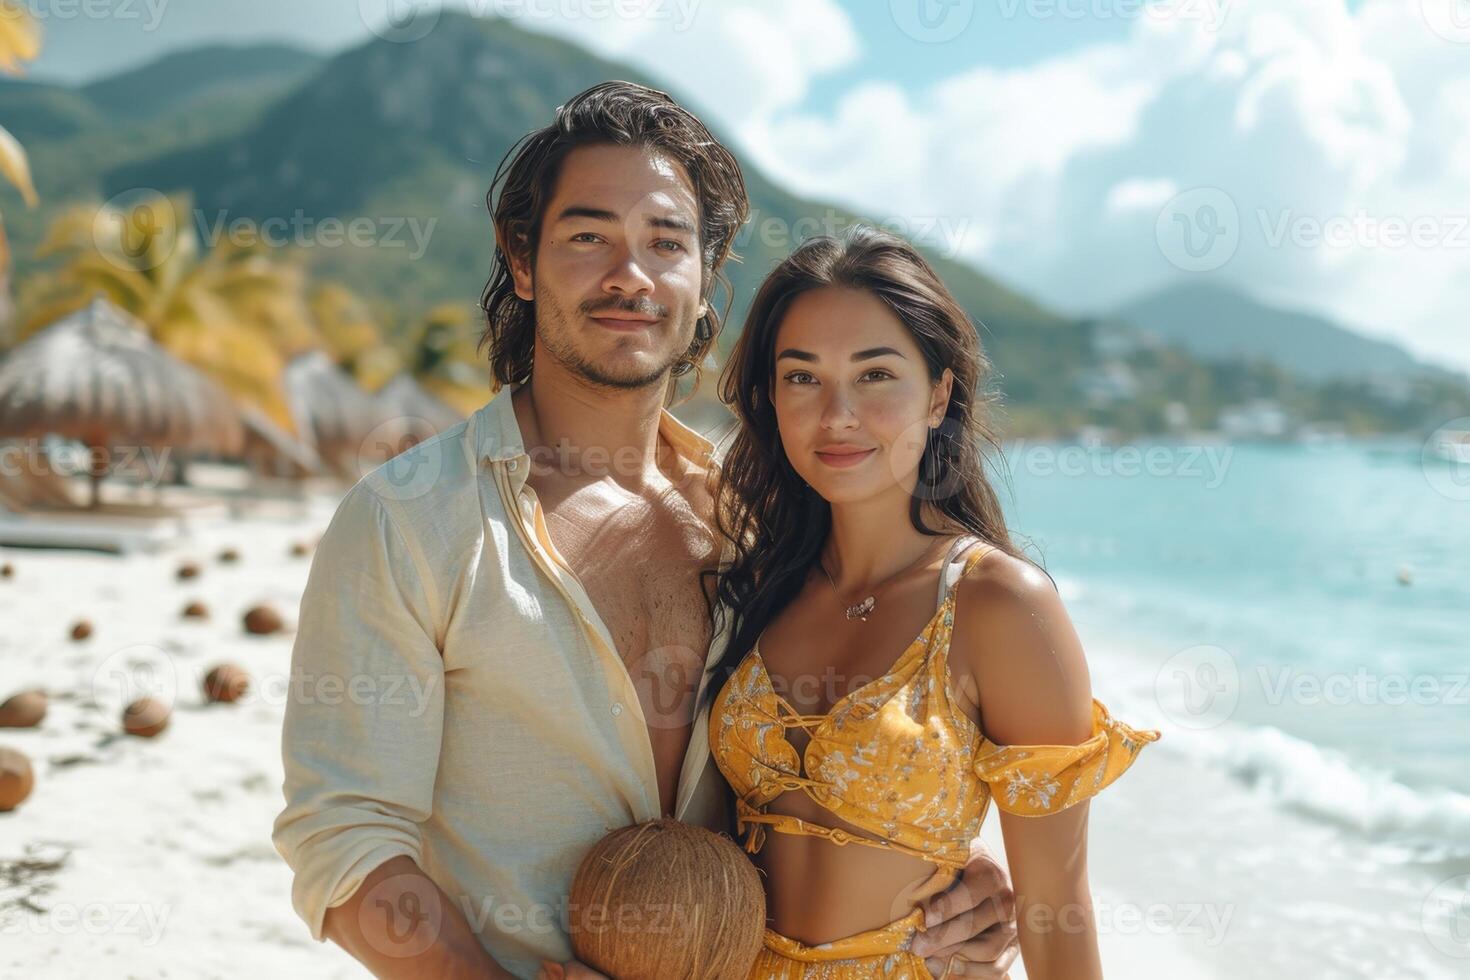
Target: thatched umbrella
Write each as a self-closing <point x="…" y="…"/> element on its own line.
<point x="330" y="408"/>
<point x="409" y="413"/>
<point x="273" y="451"/>
<point x="96" y="377"/>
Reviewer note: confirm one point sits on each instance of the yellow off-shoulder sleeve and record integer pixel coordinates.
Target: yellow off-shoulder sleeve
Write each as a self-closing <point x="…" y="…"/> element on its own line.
<point x="1036" y="780"/>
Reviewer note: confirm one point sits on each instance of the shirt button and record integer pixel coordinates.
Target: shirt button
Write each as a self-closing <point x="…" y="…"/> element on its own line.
<point x="617" y="707"/>
<point x="514" y="463"/>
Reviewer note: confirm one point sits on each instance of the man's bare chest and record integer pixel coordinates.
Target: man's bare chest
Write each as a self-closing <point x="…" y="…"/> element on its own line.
<point x="640" y="562"/>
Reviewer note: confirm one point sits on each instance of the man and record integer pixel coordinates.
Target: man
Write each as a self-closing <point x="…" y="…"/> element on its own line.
<point x="505" y="631"/>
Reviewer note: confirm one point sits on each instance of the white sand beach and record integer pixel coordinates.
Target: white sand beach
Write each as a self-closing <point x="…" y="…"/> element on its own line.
<point x="152" y="857"/>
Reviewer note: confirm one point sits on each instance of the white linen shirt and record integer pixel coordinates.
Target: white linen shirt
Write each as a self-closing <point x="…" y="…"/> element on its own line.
<point x="456" y="697"/>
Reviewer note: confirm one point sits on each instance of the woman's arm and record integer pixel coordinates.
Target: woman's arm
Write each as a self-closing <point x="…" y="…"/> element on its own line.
<point x="1015" y="641"/>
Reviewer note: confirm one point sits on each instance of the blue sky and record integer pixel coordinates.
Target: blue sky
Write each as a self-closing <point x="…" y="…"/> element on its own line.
<point x="81" y="48"/>
<point x="989" y="38"/>
<point x="1313" y="152"/>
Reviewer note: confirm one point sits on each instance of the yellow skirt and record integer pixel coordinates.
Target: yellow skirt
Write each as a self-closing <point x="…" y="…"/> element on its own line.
<point x="878" y="954"/>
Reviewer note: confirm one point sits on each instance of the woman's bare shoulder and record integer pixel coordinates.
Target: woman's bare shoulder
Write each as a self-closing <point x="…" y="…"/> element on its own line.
<point x="1016" y="643"/>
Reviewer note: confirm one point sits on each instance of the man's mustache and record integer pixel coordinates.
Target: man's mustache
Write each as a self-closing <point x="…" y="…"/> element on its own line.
<point x="643" y="307"/>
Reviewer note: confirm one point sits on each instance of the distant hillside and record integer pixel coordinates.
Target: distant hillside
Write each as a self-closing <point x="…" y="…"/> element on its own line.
<point x="408" y="136"/>
<point x="1219" y="323"/>
<point x="183" y="77"/>
<point x="41" y="110"/>
<point x="393" y="130"/>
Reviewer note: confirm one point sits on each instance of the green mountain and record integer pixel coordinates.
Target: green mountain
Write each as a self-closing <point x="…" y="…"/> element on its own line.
<point x="181" y="78"/>
<point x="74" y="136"/>
<point x="1221" y="323"/>
<point x="36" y="111"/>
<point x="392" y="131"/>
<point x="408" y="136"/>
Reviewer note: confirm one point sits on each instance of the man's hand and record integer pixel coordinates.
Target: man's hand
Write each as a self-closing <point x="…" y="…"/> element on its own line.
<point x="974" y="918"/>
<point x="570" y="970"/>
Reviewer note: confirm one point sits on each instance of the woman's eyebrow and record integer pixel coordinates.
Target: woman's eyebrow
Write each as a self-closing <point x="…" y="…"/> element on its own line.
<point x="862" y="355"/>
<point x="872" y="352"/>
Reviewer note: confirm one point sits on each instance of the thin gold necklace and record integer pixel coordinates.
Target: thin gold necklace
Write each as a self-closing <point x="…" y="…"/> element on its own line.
<point x="860" y="610"/>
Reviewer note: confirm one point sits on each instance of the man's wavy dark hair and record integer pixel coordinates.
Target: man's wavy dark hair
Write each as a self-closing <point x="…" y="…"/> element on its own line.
<point x="621" y="114"/>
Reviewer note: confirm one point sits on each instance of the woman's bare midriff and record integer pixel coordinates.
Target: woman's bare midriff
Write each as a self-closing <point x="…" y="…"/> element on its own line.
<point x="818" y="891"/>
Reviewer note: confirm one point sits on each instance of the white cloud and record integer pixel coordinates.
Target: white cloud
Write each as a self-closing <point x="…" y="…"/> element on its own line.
<point x="1140" y="194"/>
<point x="740" y="61"/>
<point x="1305" y="113"/>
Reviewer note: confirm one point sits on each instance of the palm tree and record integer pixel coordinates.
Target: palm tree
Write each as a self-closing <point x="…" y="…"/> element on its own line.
<point x="353" y="335"/>
<point x="444" y="360"/>
<point x="20" y="40"/>
<point x="236" y="312"/>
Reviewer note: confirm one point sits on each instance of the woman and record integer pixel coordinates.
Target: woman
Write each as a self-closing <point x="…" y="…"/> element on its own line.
<point x="894" y="662"/>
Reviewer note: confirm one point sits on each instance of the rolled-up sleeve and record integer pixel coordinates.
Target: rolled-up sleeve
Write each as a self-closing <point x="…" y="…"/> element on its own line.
<point x="365" y="708"/>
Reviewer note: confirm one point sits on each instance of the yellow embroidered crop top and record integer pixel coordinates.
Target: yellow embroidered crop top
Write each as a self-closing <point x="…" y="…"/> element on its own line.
<point x="898" y="758"/>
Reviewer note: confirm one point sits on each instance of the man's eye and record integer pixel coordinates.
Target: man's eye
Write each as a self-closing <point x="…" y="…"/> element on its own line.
<point x="585" y="236"/>
<point x="678" y="246"/>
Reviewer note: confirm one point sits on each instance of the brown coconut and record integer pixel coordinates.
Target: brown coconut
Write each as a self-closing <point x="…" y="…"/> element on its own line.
<point x="263" y="620"/>
<point x="188" y="570"/>
<point x="195" y="610"/>
<point x="7" y="570"/>
<point x="229" y="556"/>
<point x="16" y="778"/>
<point x="23" y="710"/>
<point x="300" y="549"/>
<point x="226" y="682"/>
<point x="81" y="629"/>
<point x="145" y="717"/>
<point x="665" y="899"/>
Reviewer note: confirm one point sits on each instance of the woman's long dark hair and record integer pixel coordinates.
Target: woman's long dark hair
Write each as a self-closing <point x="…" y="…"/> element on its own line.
<point x="776" y="523"/>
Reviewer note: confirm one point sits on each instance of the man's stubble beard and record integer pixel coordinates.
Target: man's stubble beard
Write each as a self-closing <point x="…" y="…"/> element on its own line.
<point x="554" y="328"/>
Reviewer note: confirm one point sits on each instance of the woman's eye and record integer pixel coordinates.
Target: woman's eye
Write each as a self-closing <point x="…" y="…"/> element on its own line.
<point x="794" y="375"/>
<point x="878" y="371"/>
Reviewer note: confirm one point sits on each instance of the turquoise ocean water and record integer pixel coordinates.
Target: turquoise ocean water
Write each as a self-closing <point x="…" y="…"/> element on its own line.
<point x="1296" y="619"/>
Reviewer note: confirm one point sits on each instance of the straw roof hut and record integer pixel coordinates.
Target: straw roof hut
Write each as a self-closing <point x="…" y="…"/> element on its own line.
<point x="331" y="410"/>
<point x="408" y="413"/>
<point x="272" y="451"/>
<point x="96" y="377"/>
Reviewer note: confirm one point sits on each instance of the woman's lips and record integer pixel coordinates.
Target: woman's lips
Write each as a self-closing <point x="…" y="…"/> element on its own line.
<point x="845" y="459"/>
